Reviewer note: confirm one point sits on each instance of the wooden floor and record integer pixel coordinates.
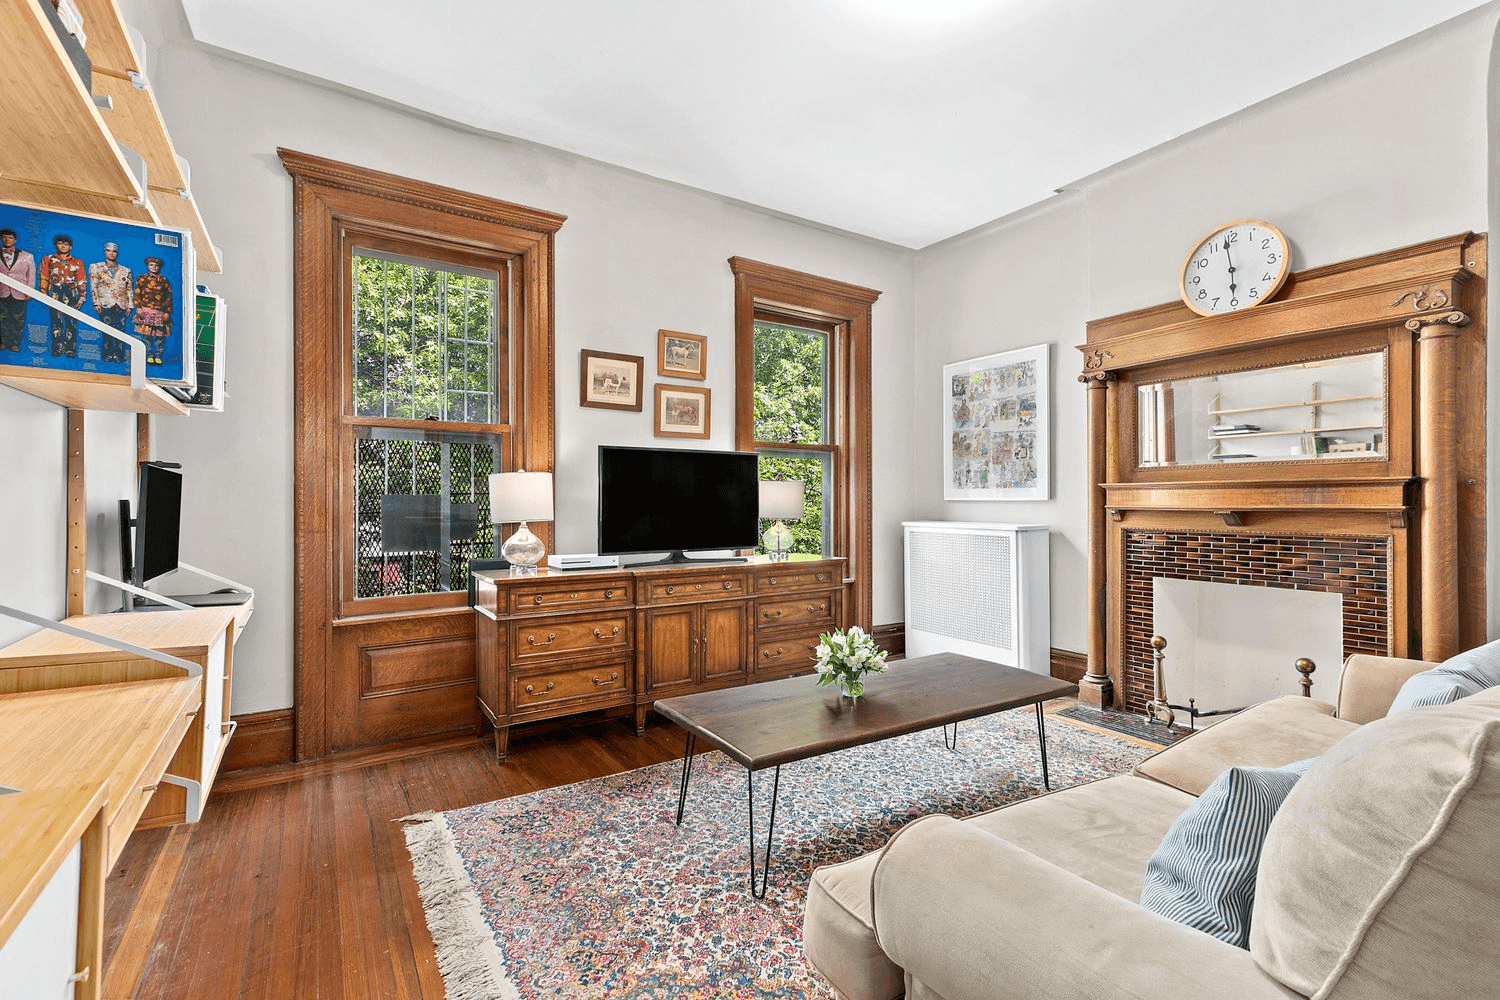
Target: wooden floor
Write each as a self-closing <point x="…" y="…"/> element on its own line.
<point x="296" y="883"/>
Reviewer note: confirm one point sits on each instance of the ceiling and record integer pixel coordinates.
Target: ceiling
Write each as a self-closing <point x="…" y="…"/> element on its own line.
<point x="903" y="120"/>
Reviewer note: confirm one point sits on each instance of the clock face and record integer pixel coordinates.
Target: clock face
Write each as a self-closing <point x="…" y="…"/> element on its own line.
<point x="1236" y="266"/>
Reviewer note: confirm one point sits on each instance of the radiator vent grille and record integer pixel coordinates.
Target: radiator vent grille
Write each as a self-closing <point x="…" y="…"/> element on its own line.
<point x="960" y="586"/>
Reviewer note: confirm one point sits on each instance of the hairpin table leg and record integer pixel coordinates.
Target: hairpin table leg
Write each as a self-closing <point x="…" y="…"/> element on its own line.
<point x="1041" y="736"/>
<point x="687" y="773"/>
<point x="951" y="744"/>
<point x="765" y="871"/>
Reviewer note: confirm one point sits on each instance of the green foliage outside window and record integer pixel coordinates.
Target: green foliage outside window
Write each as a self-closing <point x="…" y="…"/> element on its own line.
<point x="790" y="405"/>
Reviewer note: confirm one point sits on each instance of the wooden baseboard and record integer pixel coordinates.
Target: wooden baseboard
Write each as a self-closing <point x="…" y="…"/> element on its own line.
<point x="263" y="738"/>
<point x="1068" y="665"/>
<point x="891" y="638"/>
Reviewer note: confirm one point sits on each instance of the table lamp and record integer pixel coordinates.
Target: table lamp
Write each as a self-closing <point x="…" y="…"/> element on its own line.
<point x="780" y="498"/>
<point x="521" y="496"/>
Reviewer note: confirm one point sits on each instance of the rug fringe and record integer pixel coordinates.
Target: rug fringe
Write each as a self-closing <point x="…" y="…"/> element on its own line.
<point x="466" y="954"/>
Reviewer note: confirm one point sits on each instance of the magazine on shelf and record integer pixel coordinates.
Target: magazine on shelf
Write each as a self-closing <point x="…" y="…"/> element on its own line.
<point x="131" y="277"/>
<point x="210" y="327"/>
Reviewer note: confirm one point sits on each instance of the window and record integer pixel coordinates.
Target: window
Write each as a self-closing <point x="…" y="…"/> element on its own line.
<point x="791" y="384"/>
<point x="802" y="400"/>
<point x="423" y="334"/>
<point x="425" y="338"/>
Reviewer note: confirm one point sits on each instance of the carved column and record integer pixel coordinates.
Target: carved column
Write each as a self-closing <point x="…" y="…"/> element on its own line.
<point x="1096" y="690"/>
<point x="1437" y="349"/>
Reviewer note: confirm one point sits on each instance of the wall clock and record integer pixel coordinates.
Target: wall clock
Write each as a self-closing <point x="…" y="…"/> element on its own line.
<point x="1239" y="265"/>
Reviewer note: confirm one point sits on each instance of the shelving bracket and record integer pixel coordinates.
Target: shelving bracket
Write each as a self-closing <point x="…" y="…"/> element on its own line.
<point x="192" y="669"/>
<point x="136" y="349"/>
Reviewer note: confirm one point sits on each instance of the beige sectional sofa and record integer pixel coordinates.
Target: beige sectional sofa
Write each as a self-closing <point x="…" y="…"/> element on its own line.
<point x="1380" y="876"/>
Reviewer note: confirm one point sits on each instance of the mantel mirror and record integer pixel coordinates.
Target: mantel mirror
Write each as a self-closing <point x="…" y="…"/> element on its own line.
<point x="1331" y="408"/>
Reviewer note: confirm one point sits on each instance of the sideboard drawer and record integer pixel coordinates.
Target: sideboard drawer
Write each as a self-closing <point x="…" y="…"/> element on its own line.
<point x="697" y="588"/>
<point x="792" y="577"/>
<point x="134" y="799"/>
<point x="792" y="609"/>
<point x="542" y="689"/>
<point x="792" y="654"/>
<point x="531" y="639"/>
<point x="570" y="595"/>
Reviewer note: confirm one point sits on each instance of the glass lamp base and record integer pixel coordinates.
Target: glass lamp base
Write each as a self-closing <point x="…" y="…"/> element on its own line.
<point x="778" y="541"/>
<point x="523" y="551"/>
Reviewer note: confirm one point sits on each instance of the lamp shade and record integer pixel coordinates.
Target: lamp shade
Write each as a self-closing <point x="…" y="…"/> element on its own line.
<point x="520" y="496"/>
<point x="781" y="498"/>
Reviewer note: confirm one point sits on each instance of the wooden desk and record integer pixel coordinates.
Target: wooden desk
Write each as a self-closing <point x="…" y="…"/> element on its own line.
<point x="86" y="760"/>
<point x="51" y="660"/>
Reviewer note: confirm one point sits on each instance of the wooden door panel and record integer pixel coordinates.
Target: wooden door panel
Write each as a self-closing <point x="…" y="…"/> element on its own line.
<point x="670" y="641"/>
<point x="402" y="676"/>
<point x="725" y="643"/>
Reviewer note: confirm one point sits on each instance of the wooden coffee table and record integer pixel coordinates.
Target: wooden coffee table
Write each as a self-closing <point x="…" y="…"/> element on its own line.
<point x="776" y="723"/>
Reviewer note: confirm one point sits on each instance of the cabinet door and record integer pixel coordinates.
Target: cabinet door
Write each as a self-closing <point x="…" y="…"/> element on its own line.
<point x="670" y="640"/>
<point x="724" y="647"/>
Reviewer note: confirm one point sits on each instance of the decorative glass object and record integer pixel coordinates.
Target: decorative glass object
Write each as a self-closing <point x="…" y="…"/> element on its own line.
<point x="843" y="658"/>
<point x="521" y="496"/>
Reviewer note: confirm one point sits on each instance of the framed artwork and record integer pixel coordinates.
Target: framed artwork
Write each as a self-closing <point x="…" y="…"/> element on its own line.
<point x="681" y="355"/>
<point x="610" y="381"/>
<point x="682" y="411"/>
<point x="996" y="423"/>
<point x="130" y="277"/>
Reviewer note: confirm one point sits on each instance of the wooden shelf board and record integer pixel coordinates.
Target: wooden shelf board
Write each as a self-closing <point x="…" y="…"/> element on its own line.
<point x="85" y="391"/>
<point x="56" y="140"/>
<point x="182" y="213"/>
<point x="109" y="47"/>
<point x="135" y="120"/>
<point x="41" y="828"/>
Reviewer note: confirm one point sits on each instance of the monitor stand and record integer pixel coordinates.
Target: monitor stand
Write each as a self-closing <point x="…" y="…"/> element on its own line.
<point x="677" y="557"/>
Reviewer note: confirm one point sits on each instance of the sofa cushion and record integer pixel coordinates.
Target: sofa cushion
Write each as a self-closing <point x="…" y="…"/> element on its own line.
<point x="838" y="936"/>
<point x="1380" y="876"/>
<point x="1203" y="874"/>
<point x="1272" y="734"/>
<point x="1102" y="831"/>
<point x="1457" y="677"/>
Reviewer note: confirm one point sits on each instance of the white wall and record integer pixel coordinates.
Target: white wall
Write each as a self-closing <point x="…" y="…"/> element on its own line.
<point x="634" y="256"/>
<point x="1388" y="151"/>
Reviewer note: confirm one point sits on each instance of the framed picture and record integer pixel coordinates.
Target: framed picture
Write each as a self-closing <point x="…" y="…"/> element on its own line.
<point x="681" y="355"/>
<point x="610" y="381"/>
<point x="997" y="427"/>
<point x="682" y="411"/>
<point x="130" y="277"/>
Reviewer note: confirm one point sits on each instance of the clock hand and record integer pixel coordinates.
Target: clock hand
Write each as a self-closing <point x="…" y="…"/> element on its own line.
<point x="1230" y="260"/>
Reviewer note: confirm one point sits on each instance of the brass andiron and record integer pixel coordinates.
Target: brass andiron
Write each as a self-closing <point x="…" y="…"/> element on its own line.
<point x="1305" y="667"/>
<point x="1157" y="709"/>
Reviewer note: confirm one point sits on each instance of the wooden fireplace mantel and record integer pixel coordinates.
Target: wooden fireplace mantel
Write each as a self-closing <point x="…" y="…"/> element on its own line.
<point x="1423" y="309"/>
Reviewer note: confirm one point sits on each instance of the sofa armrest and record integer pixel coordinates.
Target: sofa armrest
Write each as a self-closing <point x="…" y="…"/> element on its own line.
<point x="974" y="917"/>
<point x="1369" y="685"/>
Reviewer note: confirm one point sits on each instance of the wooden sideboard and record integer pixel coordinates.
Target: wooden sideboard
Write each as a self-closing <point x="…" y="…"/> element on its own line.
<point x="560" y="643"/>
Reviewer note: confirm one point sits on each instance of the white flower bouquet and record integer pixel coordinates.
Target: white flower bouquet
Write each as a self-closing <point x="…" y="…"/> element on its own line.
<point x="845" y="657"/>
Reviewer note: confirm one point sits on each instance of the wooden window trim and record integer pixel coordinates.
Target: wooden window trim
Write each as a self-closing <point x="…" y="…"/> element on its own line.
<point x="331" y="203"/>
<point x="844" y="310"/>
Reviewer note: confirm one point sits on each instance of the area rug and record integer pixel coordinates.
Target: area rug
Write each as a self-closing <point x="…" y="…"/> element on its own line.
<point x="591" y="890"/>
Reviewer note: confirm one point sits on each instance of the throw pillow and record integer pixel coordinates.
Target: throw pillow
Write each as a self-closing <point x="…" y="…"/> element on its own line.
<point x="1469" y="672"/>
<point x="1203" y="874"/>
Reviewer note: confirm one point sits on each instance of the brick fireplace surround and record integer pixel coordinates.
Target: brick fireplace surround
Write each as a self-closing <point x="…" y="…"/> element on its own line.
<point x="1357" y="568"/>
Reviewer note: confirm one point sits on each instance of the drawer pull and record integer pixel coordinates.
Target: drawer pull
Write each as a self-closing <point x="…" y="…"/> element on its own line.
<point x="772" y="581"/>
<point x="697" y="586"/>
<point x="816" y="609"/>
<point x="769" y="614"/>
<point x="770" y="655"/>
<point x="727" y="584"/>
<point x="534" y="693"/>
<point x="148" y="788"/>
<point x="537" y="599"/>
<point x="573" y="597"/>
<point x="671" y="590"/>
<point x="612" y="633"/>
<point x="614" y="675"/>
<point x="822" y="577"/>
<point x="609" y="593"/>
<point x="551" y="637"/>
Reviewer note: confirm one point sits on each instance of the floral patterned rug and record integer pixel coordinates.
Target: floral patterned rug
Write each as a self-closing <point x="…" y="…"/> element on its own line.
<point x="591" y="890"/>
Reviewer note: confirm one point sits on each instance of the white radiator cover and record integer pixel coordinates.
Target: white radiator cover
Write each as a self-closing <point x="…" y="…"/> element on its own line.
<point x="979" y="589"/>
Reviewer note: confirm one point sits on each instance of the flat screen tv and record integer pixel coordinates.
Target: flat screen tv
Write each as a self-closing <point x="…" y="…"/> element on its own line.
<point x="677" y="500"/>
